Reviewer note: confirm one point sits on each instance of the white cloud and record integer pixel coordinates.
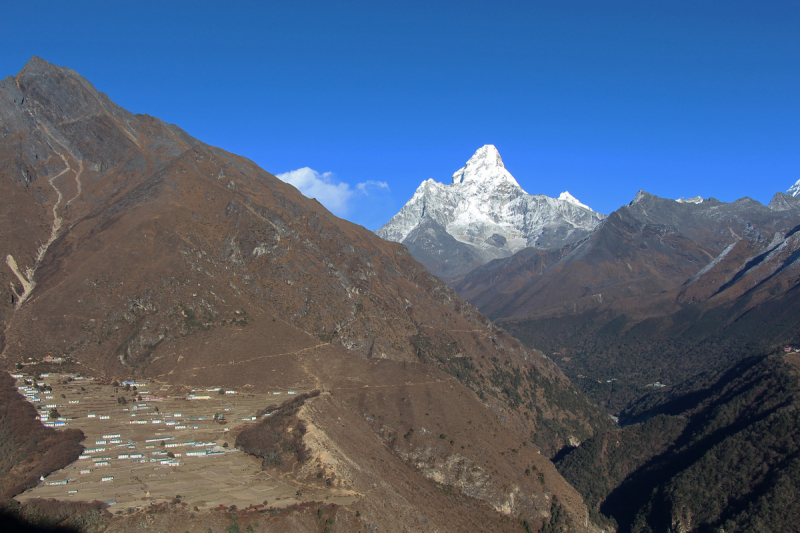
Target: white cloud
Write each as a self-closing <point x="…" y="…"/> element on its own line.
<point x="323" y="187"/>
<point x="363" y="186"/>
<point x="333" y="194"/>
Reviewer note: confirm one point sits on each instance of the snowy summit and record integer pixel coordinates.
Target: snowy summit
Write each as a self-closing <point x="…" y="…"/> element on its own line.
<point x="485" y="210"/>
<point x="567" y="197"/>
<point x="485" y="165"/>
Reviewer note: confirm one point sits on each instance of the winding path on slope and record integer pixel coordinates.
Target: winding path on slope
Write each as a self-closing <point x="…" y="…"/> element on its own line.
<point x="26" y="279"/>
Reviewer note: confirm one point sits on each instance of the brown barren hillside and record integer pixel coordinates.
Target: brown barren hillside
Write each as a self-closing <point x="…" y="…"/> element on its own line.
<point x="139" y="252"/>
<point x="675" y="291"/>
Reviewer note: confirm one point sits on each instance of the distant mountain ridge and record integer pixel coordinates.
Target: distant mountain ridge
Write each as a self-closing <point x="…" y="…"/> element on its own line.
<point x="484" y="214"/>
<point x="646" y="247"/>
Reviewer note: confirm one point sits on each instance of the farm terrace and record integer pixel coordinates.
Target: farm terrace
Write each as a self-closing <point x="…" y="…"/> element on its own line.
<point x="153" y="449"/>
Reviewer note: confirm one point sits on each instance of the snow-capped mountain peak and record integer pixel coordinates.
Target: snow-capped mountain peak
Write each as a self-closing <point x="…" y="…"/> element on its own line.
<point x="485" y="167"/>
<point x="484" y="214"/>
<point x="567" y="197"/>
<point x="794" y="190"/>
<point x="485" y="160"/>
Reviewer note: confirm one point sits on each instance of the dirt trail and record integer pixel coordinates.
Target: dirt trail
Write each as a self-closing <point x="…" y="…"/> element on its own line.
<point x="390" y="385"/>
<point x="243" y="361"/>
<point x="57" y="220"/>
<point x="26" y="279"/>
<point x="78" y="184"/>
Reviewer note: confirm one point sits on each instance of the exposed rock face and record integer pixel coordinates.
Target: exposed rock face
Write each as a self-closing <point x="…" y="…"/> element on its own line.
<point x="763" y="268"/>
<point x="138" y="251"/>
<point x="784" y="202"/>
<point x="482" y="215"/>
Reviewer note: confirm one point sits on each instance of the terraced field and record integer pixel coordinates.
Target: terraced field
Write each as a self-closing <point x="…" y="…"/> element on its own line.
<point x="172" y="442"/>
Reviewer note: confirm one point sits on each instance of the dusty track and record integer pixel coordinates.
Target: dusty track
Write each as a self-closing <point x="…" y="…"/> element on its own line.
<point x="27" y="279"/>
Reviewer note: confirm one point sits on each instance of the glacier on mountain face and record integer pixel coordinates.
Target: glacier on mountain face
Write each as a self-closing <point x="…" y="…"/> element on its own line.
<point x="485" y="208"/>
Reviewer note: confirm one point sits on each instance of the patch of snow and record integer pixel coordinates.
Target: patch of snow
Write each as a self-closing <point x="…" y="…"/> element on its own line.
<point x="695" y="200"/>
<point x="713" y="263"/>
<point x="639" y="195"/>
<point x="794" y="190"/>
<point x="567" y="197"/>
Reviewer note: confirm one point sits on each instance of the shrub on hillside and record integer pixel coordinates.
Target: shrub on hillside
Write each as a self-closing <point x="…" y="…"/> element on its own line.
<point x="52" y="515"/>
<point x="279" y="436"/>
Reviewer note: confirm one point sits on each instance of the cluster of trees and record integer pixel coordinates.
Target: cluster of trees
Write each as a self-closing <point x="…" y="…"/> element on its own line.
<point x="54" y="516"/>
<point x="726" y="456"/>
<point x="443" y="354"/>
<point x="519" y="389"/>
<point x="551" y="434"/>
<point x="277" y="438"/>
<point x="673" y="349"/>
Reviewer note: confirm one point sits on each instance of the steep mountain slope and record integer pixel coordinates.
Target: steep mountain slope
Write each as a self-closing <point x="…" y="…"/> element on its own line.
<point x="660" y="292"/>
<point x="483" y="214"/>
<point x="137" y="251"/>
<point x="723" y="457"/>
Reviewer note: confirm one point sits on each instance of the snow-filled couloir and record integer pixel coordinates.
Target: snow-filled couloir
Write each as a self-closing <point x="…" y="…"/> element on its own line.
<point x="485" y="210"/>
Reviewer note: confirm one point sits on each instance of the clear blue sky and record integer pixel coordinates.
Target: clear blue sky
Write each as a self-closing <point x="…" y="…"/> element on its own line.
<point x="601" y="98"/>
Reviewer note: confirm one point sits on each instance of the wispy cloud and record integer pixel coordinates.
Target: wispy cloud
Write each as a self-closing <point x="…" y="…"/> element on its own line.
<point x="366" y="186"/>
<point x="336" y="195"/>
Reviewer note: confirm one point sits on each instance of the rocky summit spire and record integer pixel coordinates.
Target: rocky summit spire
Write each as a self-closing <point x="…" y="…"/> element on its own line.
<point x="486" y="164"/>
<point x="482" y="215"/>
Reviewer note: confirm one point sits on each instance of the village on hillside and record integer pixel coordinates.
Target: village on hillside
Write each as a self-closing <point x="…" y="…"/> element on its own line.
<point x="148" y="442"/>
